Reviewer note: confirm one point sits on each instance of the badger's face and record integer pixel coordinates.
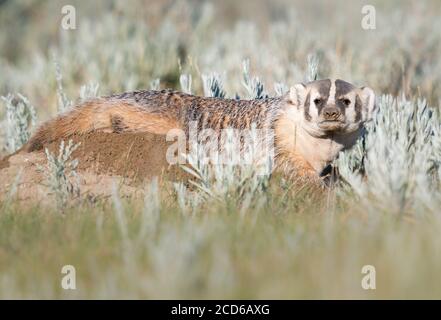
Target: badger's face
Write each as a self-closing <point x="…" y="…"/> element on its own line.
<point x="329" y="107"/>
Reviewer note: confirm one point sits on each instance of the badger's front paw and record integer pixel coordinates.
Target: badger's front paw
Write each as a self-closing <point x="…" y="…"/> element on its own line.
<point x="330" y="176"/>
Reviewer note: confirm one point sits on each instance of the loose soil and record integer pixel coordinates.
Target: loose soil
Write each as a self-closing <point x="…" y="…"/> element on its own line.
<point x="104" y="158"/>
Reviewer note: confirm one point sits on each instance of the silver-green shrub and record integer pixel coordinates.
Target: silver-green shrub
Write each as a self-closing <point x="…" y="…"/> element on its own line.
<point x="88" y="91"/>
<point x="313" y="64"/>
<point x="20" y="118"/>
<point x="61" y="173"/>
<point x="253" y="85"/>
<point x="224" y="178"/>
<point x="399" y="156"/>
<point x="185" y="81"/>
<point x="213" y="85"/>
<point x="63" y="102"/>
<point x="155" y="84"/>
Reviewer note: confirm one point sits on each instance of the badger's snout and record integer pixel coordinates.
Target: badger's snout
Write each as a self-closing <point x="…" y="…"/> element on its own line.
<point x="331" y="113"/>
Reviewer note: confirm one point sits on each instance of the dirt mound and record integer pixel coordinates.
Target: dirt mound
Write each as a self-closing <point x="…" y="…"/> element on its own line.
<point x="129" y="155"/>
<point x="4" y="162"/>
<point x="103" y="158"/>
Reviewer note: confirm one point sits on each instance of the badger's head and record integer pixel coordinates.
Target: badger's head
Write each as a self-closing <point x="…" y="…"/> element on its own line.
<point x="328" y="107"/>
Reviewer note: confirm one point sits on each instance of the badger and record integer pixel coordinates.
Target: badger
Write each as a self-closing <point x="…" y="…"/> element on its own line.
<point x="311" y="123"/>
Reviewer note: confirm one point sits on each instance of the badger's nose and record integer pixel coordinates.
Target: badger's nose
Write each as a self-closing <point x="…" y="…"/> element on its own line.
<point x="331" y="113"/>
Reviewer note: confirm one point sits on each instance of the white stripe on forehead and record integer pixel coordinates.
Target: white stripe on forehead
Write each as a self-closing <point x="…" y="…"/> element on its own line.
<point x="331" y="98"/>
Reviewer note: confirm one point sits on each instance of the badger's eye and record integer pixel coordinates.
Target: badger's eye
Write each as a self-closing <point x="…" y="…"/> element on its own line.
<point x="346" y="102"/>
<point x="317" y="100"/>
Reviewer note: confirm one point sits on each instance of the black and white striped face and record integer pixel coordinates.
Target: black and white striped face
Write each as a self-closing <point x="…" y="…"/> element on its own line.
<point x="332" y="106"/>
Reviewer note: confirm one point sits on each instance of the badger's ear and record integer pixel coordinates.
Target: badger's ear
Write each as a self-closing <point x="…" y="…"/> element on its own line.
<point x="297" y="94"/>
<point x="367" y="97"/>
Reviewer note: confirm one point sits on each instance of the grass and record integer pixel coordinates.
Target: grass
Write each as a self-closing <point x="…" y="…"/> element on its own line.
<point x="310" y="252"/>
<point x="225" y="239"/>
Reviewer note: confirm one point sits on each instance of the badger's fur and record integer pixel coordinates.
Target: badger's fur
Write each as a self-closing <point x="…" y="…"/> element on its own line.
<point x="312" y="123"/>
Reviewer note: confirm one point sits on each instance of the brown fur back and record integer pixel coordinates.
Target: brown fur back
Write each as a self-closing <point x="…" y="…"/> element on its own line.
<point x="105" y="115"/>
<point x="156" y="112"/>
